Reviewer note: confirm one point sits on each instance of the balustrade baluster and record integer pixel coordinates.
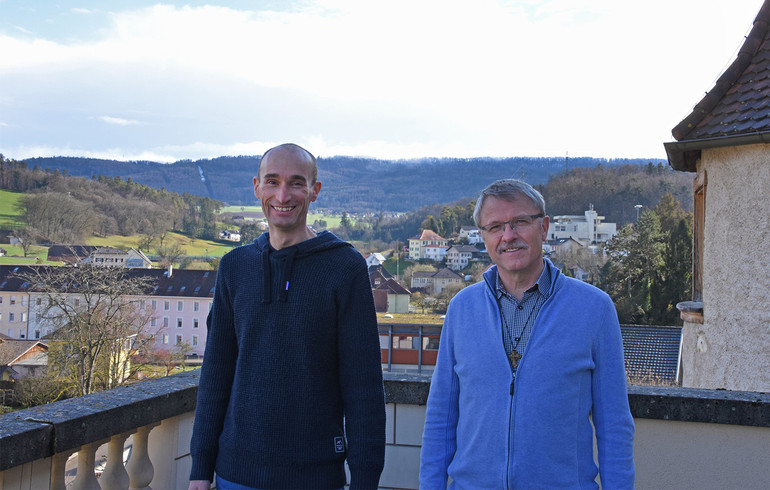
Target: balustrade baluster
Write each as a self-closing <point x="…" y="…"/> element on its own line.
<point x="86" y="479"/>
<point x="58" y="469"/>
<point x="114" y="475"/>
<point x="139" y="467"/>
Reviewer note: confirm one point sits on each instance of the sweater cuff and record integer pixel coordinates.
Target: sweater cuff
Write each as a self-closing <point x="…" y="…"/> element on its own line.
<point x="365" y="478"/>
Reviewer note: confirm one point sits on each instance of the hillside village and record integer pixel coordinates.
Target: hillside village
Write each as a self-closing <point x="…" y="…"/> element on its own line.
<point x="180" y="299"/>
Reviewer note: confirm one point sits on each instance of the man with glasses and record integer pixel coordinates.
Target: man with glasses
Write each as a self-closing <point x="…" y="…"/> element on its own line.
<point x="530" y="367"/>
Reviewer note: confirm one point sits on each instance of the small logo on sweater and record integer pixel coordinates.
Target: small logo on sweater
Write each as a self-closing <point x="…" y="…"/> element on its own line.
<point x="339" y="444"/>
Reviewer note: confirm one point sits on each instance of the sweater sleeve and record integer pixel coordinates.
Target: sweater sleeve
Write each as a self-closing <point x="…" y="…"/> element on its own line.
<point x="439" y="439"/>
<point x="610" y="412"/>
<point x="216" y="379"/>
<point x="360" y="372"/>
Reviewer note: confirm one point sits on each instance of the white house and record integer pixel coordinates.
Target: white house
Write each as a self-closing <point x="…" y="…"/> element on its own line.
<point x="426" y="238"/>
<point x="588" y="228"/>
<point x="459" y="256"/>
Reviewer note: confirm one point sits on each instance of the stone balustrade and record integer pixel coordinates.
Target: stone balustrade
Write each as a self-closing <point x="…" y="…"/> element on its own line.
<point x="685" y="438"/>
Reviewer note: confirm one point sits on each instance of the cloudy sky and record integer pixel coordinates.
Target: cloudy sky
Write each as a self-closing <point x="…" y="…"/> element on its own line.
<point x="168" y="80"/>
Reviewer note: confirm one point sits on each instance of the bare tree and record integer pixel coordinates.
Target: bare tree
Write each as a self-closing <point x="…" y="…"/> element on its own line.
<point x="98" y="319"/>
<point x="171" y="254"/>
<point x="26" y="236"/>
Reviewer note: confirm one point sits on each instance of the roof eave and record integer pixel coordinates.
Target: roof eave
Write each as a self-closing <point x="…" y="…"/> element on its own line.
<point x="684" y="155"/>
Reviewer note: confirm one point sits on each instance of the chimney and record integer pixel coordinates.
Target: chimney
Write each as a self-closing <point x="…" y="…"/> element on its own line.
<point x="170" y="270"/>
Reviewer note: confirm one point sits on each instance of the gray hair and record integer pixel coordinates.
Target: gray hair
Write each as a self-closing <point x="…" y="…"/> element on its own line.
<point x="508" y="190"/>
<point x="296" y="150"/>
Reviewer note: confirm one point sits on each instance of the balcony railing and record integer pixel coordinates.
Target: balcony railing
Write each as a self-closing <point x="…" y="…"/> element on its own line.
<point x="685" y="438"/>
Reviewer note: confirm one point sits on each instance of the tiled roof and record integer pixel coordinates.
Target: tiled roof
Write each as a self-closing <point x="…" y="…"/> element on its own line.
<point x="739" y="103"/>
<point x="652" y="352"/>
<point x="13" y="349"/>
<point x="183" y="282"/>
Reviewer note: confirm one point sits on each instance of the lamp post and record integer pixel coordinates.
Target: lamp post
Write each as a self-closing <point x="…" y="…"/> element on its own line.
<point x="638" y="207"/>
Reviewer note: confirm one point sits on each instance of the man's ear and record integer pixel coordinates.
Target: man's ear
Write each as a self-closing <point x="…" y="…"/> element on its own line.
<point x="314" y="191"/>
<point x="256" y="187"/>
<point x="544" y="230"/>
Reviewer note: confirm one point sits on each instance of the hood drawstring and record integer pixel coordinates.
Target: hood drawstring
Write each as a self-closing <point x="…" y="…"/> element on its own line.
<point x="287" y="267"/>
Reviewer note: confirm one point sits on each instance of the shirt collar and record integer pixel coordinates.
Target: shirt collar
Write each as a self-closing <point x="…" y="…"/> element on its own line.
<point x="543" y="284"/>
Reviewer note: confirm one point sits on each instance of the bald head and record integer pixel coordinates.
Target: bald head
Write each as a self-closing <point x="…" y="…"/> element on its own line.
<point x="295" y="151"/>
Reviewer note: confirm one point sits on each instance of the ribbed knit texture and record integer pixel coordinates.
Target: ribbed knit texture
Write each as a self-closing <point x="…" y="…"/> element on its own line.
<point x="303" y="360"/>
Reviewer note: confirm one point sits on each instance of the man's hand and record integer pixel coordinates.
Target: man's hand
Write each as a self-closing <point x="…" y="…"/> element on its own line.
<point x="199" y="485"/>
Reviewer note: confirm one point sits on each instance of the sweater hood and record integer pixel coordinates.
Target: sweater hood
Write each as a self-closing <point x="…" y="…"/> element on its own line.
<point x="282" y="261"/>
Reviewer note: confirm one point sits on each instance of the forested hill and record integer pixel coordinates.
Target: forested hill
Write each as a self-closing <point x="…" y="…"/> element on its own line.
<point x="349" y="184"/>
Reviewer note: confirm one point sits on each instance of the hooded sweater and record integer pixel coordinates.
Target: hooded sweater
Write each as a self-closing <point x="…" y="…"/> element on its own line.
<point x="291" y="382"/>
<point x="486" y="430"/>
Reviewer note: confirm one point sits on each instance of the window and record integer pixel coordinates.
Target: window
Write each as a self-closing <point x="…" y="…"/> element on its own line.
<point x="196" y="306"/>
<point x="430" y="343"/>
<point x="154" y="305"/>
<point x="39" y="301"/>
<point x="165" y="322"/>
<point x="142" y="304"/>
<point x="178" y="323"/>
<point x="178" y="339"/>
<point x="23" y="301"/>
<point x="11" y="317"/>
<point x="699" y="220"/>
<point x="1" y="300"/>
<point x="23" y="317"/>
<point x="179" y="305"/>
<point x="402" y="342"/>
<point x="195" y="340"/>
<point x="166" y="306"/>
<point x="153" y="322"/>
<point x="77" y="302"/>
<point x="37" y="334"/>
<point x="13" y="300"/>
<point x="165" y="339"/>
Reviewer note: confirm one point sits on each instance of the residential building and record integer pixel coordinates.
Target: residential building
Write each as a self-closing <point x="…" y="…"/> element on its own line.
<point x="114" y="257"/>
<point x="69" y="254"/>
<point x="424" y="239"/>
<point x="230" y="235"/>
<point x="472" y="234"/>
<point x="436" y="253"/>
<point x="560" y="246"/>
<point x="374" y="259"/>
<point x="588" y="228"/>
<point x="389" y="295"/>
<point x="22" y="358"/>
<point x="435" y="282"/>
<point x="459" y="256"/>
<point x="181" y="300"/>
<point x="725" y="141"/>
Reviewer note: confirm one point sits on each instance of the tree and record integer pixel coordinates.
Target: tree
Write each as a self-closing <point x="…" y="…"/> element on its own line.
<point x="98" y="322"/>
<point x="26" y="236"/>
<point x="635" y="255"/>
<point x="171" y="254"/>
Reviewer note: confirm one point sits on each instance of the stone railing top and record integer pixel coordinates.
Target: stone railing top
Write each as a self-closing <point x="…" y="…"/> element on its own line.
<point x="35" y="433"/>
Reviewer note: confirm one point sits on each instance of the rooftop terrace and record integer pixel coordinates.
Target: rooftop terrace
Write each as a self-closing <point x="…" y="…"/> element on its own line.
<point x="685" y="438"/>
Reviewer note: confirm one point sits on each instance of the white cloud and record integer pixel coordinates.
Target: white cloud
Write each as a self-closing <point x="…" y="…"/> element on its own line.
<point x="118" y="121"/>
<point x="428" y="78"/>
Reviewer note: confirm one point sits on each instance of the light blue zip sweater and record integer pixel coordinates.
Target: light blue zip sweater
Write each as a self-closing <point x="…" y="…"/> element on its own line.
<point x="482" y="435"/>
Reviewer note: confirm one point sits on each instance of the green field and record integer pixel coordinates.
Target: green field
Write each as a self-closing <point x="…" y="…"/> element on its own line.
<point x="9" y="214"/>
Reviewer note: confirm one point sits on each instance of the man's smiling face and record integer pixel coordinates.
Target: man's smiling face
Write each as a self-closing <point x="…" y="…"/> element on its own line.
<point x="517" y="253"/>
<point x="285" y="188"/>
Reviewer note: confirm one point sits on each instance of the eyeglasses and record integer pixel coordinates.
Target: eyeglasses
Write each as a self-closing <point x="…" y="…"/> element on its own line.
<point x="518" y="222"/>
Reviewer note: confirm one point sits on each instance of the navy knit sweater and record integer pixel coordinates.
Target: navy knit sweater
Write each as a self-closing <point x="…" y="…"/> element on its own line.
<point x="291" y="382"/>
